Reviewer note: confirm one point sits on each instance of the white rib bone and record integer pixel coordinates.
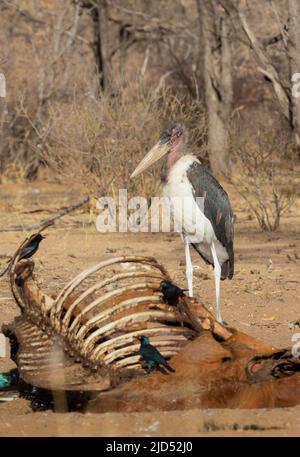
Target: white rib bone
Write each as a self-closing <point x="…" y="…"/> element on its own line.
<point x="105" y="297"/>
<point x="119" y="341"/>
<point x="121" y="323"/>
<point x="28" y="355"/>
<point x="130" y="303"/>
<point x="136" y="367"/>
<point x="102" y="284"/>
<point x="137" y="358"/>
<point x="68" y="289"/>
<point x="121" y="353"/>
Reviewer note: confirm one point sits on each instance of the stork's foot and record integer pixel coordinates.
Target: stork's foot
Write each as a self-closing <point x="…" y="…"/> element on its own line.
<point x="224" y="323"/>
<point x="219" y="315"/>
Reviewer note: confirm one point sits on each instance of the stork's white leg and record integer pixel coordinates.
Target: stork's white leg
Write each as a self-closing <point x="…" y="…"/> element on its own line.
<point x="189" y="266"/>
<point x="217" y="273"/>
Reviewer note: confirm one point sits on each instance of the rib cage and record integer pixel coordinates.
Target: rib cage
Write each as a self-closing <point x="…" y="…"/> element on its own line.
<point x="94" y="321"/>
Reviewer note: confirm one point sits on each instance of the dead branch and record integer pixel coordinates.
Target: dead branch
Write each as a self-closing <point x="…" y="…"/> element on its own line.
<point x="46" y="222"/>
<point x="284" y="28"/>
<point x="25" y="14"/>
<point x="237" y="16"/>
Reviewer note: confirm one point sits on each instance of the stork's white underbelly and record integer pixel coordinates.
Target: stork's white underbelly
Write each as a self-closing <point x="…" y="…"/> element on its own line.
<point x="186" y="212"/>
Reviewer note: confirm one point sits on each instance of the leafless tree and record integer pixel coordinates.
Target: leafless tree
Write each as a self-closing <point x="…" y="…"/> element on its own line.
<point x="289" y="105"/>
<point x="3" y="112"/>
<point x="294" y="56"/>
<point x="102" y="45"/>
<point x="218" y="81"/>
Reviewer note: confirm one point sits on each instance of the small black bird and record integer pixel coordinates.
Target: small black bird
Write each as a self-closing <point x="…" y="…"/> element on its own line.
<point x="27" y="251"/>
<point x="151" y="355"/>
<point x="31" y="247"/>
<point x="171" y="292"/>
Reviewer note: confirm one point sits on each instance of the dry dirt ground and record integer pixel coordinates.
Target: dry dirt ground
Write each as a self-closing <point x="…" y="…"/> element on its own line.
<point x="261" y="300"/>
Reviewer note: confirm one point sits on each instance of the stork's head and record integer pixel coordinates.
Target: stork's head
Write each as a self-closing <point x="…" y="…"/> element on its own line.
<point x="171" y="141"/>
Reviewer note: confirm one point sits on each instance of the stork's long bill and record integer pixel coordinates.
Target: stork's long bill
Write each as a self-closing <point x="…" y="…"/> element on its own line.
<point x="157" y="152"/>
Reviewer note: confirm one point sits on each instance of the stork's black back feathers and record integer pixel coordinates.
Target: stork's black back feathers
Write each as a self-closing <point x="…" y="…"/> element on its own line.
<point x="217" y="209"/>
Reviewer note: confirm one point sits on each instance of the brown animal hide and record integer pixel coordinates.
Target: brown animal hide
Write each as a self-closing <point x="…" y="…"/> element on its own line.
<point x="242" y="372"/>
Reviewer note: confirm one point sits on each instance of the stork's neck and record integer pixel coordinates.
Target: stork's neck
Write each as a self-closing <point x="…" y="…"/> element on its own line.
<point x="175" y="154"/>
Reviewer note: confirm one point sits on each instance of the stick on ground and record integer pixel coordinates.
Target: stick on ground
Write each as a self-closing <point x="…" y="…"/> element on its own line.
<point x="46" y="222"/>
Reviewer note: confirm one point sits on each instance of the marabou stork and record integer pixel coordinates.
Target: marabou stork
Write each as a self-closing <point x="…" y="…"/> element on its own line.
<point x="187" y="177"/>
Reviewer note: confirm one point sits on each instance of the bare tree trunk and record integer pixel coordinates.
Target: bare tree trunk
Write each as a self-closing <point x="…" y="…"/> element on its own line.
<point x="226" y="78"/>
<point x="218" y="82"/>
<point x="102" y="48"/>
<point x="3" y="112"/>
<point x="294" y="56"/>
<point x="266" y="66"/>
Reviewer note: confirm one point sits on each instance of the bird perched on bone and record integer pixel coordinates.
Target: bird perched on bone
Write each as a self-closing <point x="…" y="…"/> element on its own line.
<point x="171" y="292"/>
<point x="29" y="248"/>
<point x="152" y="356"/>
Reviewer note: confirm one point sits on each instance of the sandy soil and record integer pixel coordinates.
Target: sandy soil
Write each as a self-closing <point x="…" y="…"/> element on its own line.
<point x="262" y="300"/>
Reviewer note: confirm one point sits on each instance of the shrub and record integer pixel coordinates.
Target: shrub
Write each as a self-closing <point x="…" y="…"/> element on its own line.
<point x="263" y="176"/>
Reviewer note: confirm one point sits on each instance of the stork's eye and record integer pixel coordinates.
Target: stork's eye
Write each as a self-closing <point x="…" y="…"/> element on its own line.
<point x="176" y="134"/>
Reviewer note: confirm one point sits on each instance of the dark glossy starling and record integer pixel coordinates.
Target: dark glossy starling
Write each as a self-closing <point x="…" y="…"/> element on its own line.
<point x="27" y="251"/>
<point x="30" y="248"/>
<point x="9" y="379"/>
<point x="171" y="292"/>
<point x="151" y="355"/>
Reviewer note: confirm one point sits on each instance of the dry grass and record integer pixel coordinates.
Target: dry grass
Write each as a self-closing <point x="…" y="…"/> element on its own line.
<point x="99" y="142"/>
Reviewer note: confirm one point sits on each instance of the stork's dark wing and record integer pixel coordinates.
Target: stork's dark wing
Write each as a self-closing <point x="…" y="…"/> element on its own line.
<point x="217" y="209"/>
